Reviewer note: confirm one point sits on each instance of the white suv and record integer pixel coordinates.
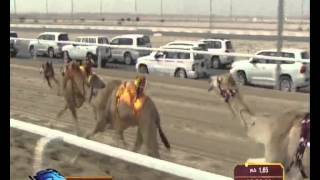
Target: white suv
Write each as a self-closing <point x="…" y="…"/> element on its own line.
<point x="293" y="74"/>
<point x="81" y="52"/>
<point x="47" y="44"/>
<point x="177" y="64"/>
<point x="126" y="55"/>
<point x="200" y="46"/>
<point x="220" y="46"/>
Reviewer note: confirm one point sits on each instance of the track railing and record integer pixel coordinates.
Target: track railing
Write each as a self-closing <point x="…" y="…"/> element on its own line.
<point x="171" y="49"/>
<point x="127" y="156"/>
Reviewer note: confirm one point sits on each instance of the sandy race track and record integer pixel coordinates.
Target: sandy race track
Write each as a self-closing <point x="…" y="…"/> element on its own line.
<point x="199" y="126"/>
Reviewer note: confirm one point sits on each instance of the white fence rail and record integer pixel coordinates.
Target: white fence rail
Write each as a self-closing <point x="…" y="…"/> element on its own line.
<point x="128" y="156"/>
<point x="171" y="50"/>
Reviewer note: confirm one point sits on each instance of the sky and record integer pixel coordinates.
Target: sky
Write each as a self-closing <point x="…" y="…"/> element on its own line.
<point x="181" y="7"/>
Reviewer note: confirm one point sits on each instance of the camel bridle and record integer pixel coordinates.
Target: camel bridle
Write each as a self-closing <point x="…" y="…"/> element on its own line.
<point x="304" y="142"/>
<point x="227" y="94"/>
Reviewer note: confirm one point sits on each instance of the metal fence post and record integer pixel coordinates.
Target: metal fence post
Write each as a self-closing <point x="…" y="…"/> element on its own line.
<point x="277" y="75"/>
<point x="99" y="58"/>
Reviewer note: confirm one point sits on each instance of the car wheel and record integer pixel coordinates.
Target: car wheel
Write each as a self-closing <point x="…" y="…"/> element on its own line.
<point x="285" y="84"/>
<point x="181" y="73"/>
<point x="127" y="59"/>
<point x="242" y="78"/>
<point x="215" y="62"/>
<point x="143" y="69"/>
<point x="51" y="53"/>
<point x="32" y="51"/>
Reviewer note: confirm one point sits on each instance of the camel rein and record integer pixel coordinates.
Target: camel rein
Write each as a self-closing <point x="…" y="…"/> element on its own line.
<point x="227" y="94"/>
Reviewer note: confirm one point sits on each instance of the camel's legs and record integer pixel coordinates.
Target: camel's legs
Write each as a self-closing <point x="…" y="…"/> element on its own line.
<point x="100" y="126"/>
<point x="59" y="114"/>
<point x="138" y="142"/>
<point x="75" y="119"/>
<point x="119" y="137"/>
<point x="62" y="111"/>
<point x="149" y="137"/>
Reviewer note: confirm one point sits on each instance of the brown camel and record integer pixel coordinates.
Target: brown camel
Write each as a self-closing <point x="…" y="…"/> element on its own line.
<point x="117" y="115"/>
<point x="76" y="88"/>
<point x="285" y="138"/>
<point x="121" y="116"/>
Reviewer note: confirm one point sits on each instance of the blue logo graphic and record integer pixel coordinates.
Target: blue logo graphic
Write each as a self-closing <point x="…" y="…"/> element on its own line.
<point x="48" y="174"/>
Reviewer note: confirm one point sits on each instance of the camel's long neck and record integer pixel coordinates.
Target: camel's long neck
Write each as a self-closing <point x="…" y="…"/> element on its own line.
<point x="241" y="111"/>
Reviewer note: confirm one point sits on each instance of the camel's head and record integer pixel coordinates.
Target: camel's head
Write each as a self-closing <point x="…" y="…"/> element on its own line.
<point x="47" y="70"/>
<point x="224" y="86"/>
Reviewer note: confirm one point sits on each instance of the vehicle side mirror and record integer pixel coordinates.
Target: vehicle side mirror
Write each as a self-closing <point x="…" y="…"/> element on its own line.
<point x="254" y="61"/>
<point x="158" y="55"/>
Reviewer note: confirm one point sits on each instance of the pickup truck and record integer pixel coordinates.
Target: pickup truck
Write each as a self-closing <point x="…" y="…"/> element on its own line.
<point x="292" y="74"/>
<point x="82" y="52"/>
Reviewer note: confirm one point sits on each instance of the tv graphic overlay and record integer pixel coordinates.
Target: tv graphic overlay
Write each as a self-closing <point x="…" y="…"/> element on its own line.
<point x="48" y="174"/>
<point x="261" y="171"/>
<point x="52" y="174"/>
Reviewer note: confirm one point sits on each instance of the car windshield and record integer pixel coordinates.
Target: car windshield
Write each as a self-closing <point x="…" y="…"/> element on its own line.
<point x="13" y="34"/>
<point x="305" y="55"/>
<point x="229" y="45"/>
<point x="63" y="37"/>
<point x="145" y="40"/>
<point x="202" y="47"/>
<point x="103" y="40"/>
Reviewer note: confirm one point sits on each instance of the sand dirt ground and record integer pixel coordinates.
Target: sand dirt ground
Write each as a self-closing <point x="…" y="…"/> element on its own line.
<point x="199" y="125"/>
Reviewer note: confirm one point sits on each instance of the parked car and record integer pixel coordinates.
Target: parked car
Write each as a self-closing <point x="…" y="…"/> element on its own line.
<point x="219" y="46"/>
<point x="293" y="74"/>
<point x="126" y="55"/>
<point x="194" y="44"/>
<point x="13" y="47"/>
<point x="46" y="44"/>
<point x="177" y="64"/>
<point x="81" y="52"/>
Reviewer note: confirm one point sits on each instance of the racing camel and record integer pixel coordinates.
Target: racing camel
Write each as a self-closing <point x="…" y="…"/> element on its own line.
<point x="76" y="85"/>
<point x="125" y="105"/>
<point x="285" y="138"/>
<point x="119" y="105"/>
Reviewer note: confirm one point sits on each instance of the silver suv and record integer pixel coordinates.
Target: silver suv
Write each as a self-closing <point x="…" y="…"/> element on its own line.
<point x="219" y="46"/>
<point x="126" y="55"/>
<point x="46" y="44"/>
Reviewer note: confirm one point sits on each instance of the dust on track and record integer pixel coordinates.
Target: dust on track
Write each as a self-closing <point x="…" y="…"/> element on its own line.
<point x="199" y="126"/>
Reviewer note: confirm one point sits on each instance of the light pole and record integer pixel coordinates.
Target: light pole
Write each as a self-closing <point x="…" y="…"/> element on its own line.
<point x="280" y="23"/>
<point x="72" y="11"/>
<point x="302" y="3"/>
<point x="230" y="8"/>
<point x="210" y="18"/>
<point x="47" y="7"/>
<point x="15" y="7"/>
<point x="161" y="10"/>
<point x="135" y="7"/>
<point x="100" y="7"/>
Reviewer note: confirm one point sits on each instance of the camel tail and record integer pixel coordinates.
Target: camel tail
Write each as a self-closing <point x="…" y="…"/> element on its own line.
<point x="164" y="138"/>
